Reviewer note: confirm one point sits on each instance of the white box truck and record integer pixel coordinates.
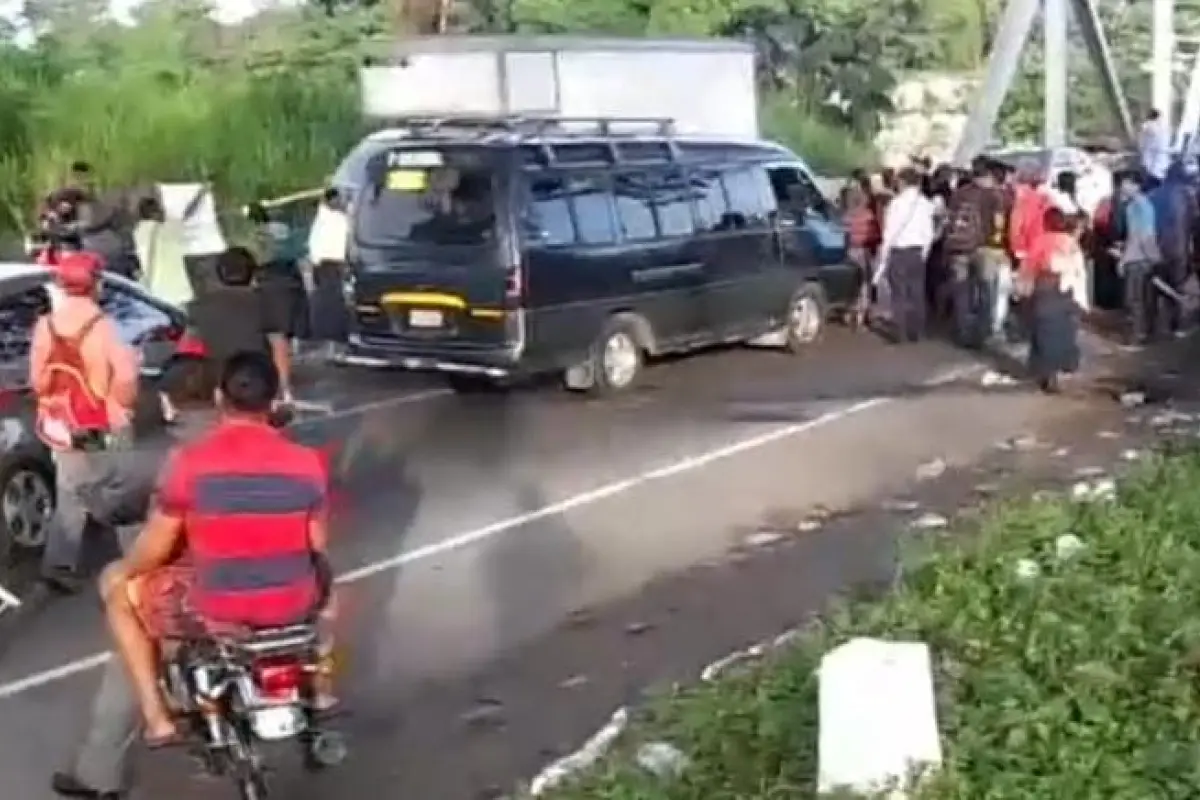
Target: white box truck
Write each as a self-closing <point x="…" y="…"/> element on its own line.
<point x="706" y="86"/>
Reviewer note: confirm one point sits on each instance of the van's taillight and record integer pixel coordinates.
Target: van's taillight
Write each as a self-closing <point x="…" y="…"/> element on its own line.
<point x="278" y="679"/>
<point x="514" y="284"/>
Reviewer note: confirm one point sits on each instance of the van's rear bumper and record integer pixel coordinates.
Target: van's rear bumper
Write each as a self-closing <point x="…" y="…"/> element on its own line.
<point x="492" y="362"/>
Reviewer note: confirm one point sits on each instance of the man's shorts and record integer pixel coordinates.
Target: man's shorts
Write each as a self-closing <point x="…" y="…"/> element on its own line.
<point x="163" y="601"/>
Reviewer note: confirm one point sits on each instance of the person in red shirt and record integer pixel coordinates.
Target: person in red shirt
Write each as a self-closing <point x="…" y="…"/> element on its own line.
<point x="1027" y="221"/>
<point x="85" y="381"/>
<point x="236" y="541"/>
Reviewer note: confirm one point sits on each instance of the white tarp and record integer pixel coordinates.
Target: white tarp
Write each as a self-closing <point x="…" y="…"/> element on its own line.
<point x="878" y="722"/>
<point x="192" y="205"/>
<point x="190" y="228"/>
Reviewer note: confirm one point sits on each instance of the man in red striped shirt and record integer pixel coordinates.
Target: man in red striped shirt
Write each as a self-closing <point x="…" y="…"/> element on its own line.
<point x="247" y="507"/>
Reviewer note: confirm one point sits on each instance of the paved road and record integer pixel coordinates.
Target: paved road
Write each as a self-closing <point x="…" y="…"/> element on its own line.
<point x="470" y="525"/>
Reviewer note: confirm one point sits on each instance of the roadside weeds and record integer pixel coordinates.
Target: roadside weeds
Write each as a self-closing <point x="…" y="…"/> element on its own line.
<point x="1074" y="672"/>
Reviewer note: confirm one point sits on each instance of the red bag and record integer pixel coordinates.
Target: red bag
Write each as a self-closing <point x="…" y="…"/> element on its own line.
<point x="70" y="406"/>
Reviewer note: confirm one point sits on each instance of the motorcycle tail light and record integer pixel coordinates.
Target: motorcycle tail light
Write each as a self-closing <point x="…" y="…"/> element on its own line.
<point x="278" y="679"/>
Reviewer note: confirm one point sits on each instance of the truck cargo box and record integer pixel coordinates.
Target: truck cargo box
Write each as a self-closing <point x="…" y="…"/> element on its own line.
<point x="707" y="86"/>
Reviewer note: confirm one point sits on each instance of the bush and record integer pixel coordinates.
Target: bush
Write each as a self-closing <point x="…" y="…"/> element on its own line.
<point x="1080" y="683"/>
<point x="829" y="149"/>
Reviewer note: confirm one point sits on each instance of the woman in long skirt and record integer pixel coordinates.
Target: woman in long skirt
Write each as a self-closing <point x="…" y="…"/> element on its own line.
<point x="1055" y="275"/>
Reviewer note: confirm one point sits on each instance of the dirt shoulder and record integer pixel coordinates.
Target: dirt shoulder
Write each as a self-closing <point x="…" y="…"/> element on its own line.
<point x="481" y="736"/>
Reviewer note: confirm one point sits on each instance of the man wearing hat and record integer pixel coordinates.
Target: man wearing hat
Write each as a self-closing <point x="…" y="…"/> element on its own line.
<point x="85" y="379"/>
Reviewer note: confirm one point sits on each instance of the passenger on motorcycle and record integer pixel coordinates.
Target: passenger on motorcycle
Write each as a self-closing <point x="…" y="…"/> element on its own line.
<point x="236" y="539"/>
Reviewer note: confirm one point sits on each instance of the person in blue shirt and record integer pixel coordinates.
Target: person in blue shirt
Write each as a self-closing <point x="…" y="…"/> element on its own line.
<point x="1174" y="218"/>
<point x="1138" y="258"/>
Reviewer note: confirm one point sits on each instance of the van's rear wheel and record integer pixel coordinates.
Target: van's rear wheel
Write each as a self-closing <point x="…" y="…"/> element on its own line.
<point x="806" y="317"/>
<point x="615" y="362"/>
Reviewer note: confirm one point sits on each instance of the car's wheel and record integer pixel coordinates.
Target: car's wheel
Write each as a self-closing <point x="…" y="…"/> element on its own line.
<point x="806" y="316"/>
<point x="617" y="357"/>
<point x="26" y="504"/>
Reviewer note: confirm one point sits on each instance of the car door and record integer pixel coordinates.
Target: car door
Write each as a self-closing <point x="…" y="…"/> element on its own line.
<point x="811" y="234"/>
<point x="741" y="247"/>
<point x="665" y="270"/>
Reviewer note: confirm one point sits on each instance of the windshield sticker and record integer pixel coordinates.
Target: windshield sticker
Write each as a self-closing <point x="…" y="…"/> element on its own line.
<point x="414" y="158"/>
<point x="407" y="180"/>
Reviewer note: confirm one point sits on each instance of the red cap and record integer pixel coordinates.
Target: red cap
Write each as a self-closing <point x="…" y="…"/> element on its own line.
<point x="78" y="272"/>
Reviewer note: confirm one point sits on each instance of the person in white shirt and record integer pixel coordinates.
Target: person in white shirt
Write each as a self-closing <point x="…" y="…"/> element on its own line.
<point x="1154" y="146"/>
<point x="908" y="234"/>
<point x="327" y="241"/>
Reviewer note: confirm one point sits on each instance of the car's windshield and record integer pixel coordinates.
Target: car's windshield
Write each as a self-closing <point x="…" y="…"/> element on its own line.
<point x="425" y="201"/>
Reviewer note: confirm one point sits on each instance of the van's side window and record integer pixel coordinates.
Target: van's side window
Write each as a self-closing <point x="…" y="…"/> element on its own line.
<point x="708" y="198"/>
<point x="751" y="199"/>
<point x="672" y="204"/>
<point x="591" y="200"/>
<point x="796" y="193"/>
<point x="550" y="212"/>
<point x="634" y="212"/>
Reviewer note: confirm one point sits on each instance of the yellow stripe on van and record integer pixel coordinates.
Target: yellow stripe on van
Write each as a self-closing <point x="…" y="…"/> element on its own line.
<point x="424" y="299"/>
<point x="487" y="313"/>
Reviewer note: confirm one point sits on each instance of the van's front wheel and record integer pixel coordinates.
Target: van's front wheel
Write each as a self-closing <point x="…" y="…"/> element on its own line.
<point x="615" y="362"/>
<point x="805" y="318"/>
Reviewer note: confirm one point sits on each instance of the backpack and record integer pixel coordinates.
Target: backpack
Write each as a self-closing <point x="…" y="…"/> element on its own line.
<point x="70" y="412"/>
<point x="964" y="226"/>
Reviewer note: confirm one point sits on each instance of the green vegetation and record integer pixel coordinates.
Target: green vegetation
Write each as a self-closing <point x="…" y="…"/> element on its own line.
<point x="267" y="106"/>
<point x="1081" y="682"/>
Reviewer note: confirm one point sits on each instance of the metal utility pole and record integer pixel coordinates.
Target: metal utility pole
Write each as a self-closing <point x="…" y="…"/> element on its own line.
<point x="1055" y="68"/>
<point x="1162" y="59"/>
<point x="1015" y="27"/>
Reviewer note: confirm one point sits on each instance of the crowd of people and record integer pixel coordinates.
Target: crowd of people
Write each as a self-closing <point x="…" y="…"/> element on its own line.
<point x="1000" y="253"/>
<point x="180" y="504"/>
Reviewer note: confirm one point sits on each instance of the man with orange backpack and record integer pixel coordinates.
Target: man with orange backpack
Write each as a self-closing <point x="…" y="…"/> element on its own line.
<point x="85" y="379"/>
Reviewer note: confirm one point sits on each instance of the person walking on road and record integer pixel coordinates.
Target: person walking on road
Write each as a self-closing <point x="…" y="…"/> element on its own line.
<point x="99" y="767"/>
<point x="908" y="233"/>
<point x="1056" y="275"/>
<point x="85" y="380"/>
<point x="1137" y="260"/>
<point x="862" y="234"/>
<point x="974" y="220"/>
<point x="1175" y="216"/>
<point x="240" y="316"/>
<point x="327" y="241"/>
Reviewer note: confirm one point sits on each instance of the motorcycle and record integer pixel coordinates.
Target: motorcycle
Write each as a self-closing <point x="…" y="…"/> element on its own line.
<point x="235" y="694"/>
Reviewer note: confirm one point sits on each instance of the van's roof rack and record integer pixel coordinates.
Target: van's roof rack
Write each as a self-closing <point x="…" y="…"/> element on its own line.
<point x="547" y="132"/>
<point x="536" y="124"/>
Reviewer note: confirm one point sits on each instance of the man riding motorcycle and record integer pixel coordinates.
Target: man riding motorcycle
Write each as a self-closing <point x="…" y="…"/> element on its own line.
<point x="236" y="540"/>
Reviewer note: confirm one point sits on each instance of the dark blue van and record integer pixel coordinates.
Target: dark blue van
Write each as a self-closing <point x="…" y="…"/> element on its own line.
<point x="490" y="250"/>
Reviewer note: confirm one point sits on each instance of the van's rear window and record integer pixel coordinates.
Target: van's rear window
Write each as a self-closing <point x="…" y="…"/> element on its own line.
<point x="426" y="198"/>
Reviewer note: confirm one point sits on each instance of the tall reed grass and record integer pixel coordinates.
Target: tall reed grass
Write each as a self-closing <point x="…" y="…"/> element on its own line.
<point x="251" y="135"/>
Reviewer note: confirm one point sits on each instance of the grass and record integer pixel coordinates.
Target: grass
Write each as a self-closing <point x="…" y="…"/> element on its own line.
<point x="828" y="149"/>
<point x="252" y="136"/>
<point x="1081" y="683"/>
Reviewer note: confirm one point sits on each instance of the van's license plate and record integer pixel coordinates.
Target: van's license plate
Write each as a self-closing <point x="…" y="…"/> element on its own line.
<point x="424" y="318"/>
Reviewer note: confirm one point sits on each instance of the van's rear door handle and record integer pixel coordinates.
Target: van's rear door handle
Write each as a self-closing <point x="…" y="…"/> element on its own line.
<point x="667" y="272"/>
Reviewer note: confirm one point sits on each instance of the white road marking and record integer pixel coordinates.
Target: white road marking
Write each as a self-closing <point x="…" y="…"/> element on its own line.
<point x="364" y="408"/>
<point x="471" y="537"/>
